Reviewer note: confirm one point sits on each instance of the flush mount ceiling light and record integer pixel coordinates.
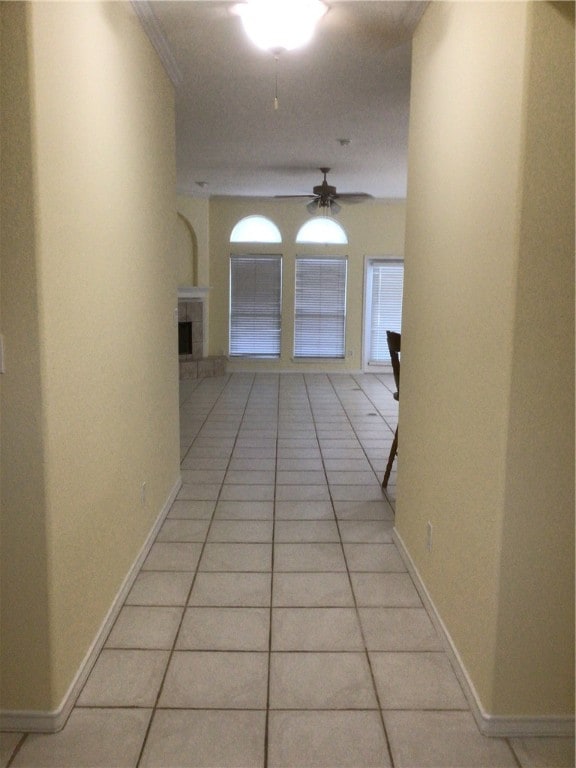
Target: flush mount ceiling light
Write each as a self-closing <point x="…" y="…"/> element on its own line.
<point x="280" y="25"/>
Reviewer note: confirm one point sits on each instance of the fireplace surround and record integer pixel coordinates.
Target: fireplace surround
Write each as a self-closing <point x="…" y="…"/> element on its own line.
<point x="193" y="363"/>
<point x="191" y="329"/>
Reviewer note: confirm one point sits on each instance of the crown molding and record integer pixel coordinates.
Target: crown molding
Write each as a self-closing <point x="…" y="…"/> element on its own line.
<point x="149" y="22"/>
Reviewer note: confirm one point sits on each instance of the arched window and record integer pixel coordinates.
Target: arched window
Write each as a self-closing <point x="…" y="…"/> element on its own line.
<point x="323" y="231"/>
<point x="255" y="310"/>
<point x="255" y="229"/>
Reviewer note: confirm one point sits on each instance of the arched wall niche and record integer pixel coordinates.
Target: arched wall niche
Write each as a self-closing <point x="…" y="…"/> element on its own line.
<point x="187" y="245"/>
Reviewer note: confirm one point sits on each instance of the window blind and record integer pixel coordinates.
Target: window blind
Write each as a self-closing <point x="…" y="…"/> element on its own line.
<point x="320" y="307"/>
<point x="386" y="306"/>
<point x="255" y="305"/>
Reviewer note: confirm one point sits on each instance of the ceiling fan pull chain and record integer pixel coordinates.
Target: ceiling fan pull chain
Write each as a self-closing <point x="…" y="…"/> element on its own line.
<point x="276" y="103"/>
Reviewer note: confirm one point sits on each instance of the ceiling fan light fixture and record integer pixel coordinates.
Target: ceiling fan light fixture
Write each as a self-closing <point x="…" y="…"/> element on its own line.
<point x="327" y="207"/>
<point x="280" y="25"/>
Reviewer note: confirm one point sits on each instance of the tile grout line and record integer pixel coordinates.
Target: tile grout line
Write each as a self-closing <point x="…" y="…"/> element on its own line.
<point x="451" y="710"/>
<point x="104" y="647"/>
<point x="366" y="652"/>
<point x="76" y="706"/>
<point x="229" y="379"/>
<point x="310" y="608"/>
<point x="360" y="442"/>
<point x="508" y="741"/>
<point x="351" y="423"/>
<point x="369" y="662"/>
<point x="176" y="636"/>
<point x="270" y="614"/>
<point x="371" y="401"/>
<point x="17" y="749"/>
<point x="318" y="388"/>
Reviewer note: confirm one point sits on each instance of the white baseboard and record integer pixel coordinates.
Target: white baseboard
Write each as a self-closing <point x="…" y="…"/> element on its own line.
<point x="51" y="722"/>
<point x="489" y="725"/>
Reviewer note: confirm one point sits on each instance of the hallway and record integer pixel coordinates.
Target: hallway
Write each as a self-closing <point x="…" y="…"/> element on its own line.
<point x="274" y="622"/>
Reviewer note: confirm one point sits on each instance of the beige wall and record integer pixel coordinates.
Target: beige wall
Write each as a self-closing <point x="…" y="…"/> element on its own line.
<point x="89" y="288"/>
<point x="536" y="611"/>
<point x="374" y="228"/>
<point x="487" y="359"/>
<point x="25" y="647"/>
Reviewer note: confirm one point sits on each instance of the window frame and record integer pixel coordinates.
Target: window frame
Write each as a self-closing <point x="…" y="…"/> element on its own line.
<point x="369" y="365"/>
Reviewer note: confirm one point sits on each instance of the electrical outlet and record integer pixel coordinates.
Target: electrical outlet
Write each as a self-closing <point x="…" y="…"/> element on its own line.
<point x="429" y="536"/>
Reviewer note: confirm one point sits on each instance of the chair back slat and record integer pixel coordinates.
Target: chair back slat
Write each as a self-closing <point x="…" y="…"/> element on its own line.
<point x="394" y="340"/>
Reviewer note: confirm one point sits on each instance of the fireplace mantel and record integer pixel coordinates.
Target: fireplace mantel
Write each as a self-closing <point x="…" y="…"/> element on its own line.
<point x="192" y="291"/>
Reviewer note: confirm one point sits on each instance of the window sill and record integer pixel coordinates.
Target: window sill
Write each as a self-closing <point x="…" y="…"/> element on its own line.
<point x="253" y="357"/>
<point x="316" y="359"/>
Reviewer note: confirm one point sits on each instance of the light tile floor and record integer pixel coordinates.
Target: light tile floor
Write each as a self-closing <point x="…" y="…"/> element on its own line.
<point x="273" y="623"/>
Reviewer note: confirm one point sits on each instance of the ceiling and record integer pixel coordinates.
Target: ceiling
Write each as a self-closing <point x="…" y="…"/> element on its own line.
<point x="351" y="82"/>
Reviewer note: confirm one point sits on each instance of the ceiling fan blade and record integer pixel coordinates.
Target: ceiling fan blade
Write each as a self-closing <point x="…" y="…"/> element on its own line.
<point x="324" y="198"/>
<point x="294" y="197"/>
<point x="354" y="197"/>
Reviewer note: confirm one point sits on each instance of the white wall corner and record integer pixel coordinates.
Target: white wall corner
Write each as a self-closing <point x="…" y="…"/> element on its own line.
<point x="489" y="725"/>
<point x="51" y="722"/>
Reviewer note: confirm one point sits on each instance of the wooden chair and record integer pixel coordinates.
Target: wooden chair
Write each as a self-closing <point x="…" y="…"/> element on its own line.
<point x="393" y="340"/>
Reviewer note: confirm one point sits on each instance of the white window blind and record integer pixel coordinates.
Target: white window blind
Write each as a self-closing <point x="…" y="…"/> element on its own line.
<point x="386" y="306"/>
<point x="320" y="307"/>
<point x="255" y="305"/>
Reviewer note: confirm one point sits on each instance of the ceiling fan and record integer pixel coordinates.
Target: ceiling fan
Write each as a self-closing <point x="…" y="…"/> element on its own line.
<point x="324" y="197"/>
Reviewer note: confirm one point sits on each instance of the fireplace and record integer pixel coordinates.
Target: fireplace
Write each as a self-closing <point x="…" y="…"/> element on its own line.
<point x="190" y="329"/>
<point x="192" y="343"/>
<point x="185" y="338"/>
